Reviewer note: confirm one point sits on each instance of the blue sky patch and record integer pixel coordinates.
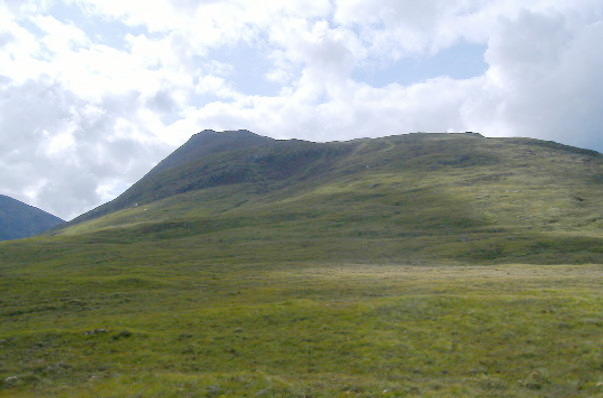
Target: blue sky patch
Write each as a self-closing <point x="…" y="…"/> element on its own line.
<point x="462" y="61"/>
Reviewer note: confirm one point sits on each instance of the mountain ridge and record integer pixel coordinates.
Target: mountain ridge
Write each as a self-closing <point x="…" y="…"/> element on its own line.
<point x="457" y="196"/>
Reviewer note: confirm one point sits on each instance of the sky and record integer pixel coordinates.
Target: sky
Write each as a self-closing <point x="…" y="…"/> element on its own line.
<point x="94" y="93"/>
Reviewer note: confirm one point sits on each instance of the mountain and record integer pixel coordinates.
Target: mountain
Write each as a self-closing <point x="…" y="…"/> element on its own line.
<point x="419" y="197"/>
<point x="413" y="265"/>
<point x="188" y="165"/>
<point x="19" y="220"/>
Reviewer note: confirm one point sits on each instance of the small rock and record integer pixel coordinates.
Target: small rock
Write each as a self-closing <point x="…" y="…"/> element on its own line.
<point x="95" y="331"/>
<point x="11" y="380"/>
<point x="122" y="334"/>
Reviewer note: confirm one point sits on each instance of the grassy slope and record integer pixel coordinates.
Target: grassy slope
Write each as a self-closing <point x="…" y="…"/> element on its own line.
<point x="340" y="286"/>
<point x="459" y="198"/>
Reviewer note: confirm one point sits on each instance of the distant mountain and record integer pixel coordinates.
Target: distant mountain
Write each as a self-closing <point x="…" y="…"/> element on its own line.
<point x="20" y="220"/>
<point x="411" y="197"/>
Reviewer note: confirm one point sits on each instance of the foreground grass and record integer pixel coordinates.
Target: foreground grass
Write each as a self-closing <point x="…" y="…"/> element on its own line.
<point x="187" y="326"/>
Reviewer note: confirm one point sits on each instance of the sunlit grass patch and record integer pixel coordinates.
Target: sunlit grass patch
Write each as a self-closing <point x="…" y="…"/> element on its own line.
<point x="332" y="330"/>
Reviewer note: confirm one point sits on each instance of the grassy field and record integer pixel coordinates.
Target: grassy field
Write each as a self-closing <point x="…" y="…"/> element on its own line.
<point x="124" y="320"/>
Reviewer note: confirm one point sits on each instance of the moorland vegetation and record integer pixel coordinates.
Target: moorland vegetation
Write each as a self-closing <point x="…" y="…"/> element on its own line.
<point x="414" y="265"/>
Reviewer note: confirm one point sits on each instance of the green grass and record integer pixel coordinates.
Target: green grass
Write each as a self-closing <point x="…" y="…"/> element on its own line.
<point x="451" y="266"/>
<point x="196" y="323"/>
<point x="418" y="198"/>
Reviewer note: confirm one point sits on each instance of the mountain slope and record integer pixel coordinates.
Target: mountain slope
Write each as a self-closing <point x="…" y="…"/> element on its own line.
<point x="417" y="265"/>
<point x="211" y="159"/>
<point x="19" y="220"/>
<point x="459" y="197"/>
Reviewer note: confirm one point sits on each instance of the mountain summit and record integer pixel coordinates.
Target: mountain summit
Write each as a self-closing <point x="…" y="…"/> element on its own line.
<point x="210" y="159"/>
<point x="461" y="197"/>
<point x="210" y="142"/>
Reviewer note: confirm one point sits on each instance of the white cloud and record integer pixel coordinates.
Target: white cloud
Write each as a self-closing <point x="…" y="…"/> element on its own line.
<point x="57" y="148"/>
<point x="393" y="29"/>
<point x="81" y="117"/>
<point x="549" y="73"/>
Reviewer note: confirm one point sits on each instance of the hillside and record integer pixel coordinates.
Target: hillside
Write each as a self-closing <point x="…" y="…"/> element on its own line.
<point x="19" y="220"/>
<point x="453" y="197"/>
<point x="420" y="265"/>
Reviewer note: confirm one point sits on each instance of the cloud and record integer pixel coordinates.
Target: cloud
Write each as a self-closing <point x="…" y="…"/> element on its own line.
<point x="549" y="76"/>
<point x="57" y="150"/>
<point x="93" y="93"/>
<point x="393" y="29"/>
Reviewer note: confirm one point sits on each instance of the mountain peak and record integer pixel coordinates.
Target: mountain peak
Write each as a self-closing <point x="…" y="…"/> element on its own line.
<point x="225" y="132"/>
<point x="209" y="142"/>
<point x="200" y="146"/>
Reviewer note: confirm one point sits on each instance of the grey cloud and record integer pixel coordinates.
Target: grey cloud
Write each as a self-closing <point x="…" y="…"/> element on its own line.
<point x="333" y="53"/>
<point x="395" y="29"/>
<point x="553" y="75"/>
<point x="28" y="110"/>
<point x="70" y="189"/>
<point x="525" y="44"/>
<point x="162" y="102"/>
<point x="64" y="178"/>
<point x="123" y="104"/>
